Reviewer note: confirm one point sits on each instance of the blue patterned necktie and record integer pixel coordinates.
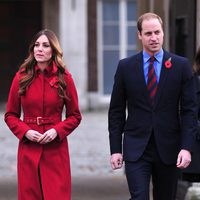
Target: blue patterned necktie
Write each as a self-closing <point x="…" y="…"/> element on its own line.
<point x="151" y="82"/>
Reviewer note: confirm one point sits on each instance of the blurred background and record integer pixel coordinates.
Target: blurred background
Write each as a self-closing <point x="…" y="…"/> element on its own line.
<point x="94" y="35"/>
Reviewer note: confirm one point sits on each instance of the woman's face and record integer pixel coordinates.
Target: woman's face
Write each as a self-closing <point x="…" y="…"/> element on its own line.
<point x="42" y="50"/>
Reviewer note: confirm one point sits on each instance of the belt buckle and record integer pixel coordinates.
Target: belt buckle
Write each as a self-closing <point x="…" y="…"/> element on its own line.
<point x="38" y="120"/>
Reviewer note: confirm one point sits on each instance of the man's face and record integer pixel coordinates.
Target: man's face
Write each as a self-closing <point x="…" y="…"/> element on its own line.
<point x="151" y="36"/>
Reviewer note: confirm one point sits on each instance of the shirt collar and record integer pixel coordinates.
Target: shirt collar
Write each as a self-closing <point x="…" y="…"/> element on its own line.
<point x="158" y="56"/>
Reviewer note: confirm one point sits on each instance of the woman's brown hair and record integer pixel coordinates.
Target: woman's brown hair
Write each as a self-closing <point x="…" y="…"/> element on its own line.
<point x="196" y="64"/>
<point x="27" y="68"/>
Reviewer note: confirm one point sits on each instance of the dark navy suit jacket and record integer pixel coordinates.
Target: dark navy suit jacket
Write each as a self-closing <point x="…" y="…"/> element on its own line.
<point x="172" y="117"/>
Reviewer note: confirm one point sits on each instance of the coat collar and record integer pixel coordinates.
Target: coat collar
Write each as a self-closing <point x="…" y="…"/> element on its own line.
<point x="50" y="69"/>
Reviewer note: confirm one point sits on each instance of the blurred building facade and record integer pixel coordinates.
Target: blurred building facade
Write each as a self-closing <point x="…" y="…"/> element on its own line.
<point x="94" y="35"/>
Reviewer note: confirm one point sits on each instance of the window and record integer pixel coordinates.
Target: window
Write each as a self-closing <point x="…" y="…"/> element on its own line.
<point x="116" y="38"/>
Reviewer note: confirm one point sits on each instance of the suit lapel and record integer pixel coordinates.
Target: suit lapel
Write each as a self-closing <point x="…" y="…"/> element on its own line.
<point x="163" y="77"/>
<point x="140" y="73"/>
<point x="140" y="69"/>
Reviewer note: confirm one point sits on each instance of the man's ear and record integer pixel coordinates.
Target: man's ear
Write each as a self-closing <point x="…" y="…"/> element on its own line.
<point x="139" y="35"/>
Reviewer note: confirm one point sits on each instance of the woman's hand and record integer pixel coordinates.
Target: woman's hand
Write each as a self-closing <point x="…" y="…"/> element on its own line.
<point x="33" y="136"/>
<point x="48" y="136"/>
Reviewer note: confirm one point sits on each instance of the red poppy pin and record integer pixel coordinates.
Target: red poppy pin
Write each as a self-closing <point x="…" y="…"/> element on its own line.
<point x="54" y="82"/>
<point x="168" y="63"/>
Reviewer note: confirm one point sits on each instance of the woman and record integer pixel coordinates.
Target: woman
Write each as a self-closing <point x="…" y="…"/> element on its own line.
<point x="42" y="88"/>
<point x="192" y="173"/>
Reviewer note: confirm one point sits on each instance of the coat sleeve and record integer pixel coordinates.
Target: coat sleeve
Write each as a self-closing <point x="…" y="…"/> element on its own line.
<point x="117" y="112"/>
<point x="13" y="111"/>
<point x="73" y="115"/>
<point x="197" y="84"/>
<point x="188" y="108"/>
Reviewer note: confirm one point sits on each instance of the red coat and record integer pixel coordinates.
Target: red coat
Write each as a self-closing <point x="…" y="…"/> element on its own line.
<point x="43" y="167"/>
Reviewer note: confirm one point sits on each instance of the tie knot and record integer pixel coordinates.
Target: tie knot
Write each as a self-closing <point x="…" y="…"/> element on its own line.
<point x="151" y="60"/>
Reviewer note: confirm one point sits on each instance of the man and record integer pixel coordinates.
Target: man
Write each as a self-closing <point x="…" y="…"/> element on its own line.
<point x="156" y="90"/>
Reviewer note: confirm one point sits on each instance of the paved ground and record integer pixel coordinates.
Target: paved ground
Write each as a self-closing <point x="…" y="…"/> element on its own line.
<point x="83" y="188"/>
<point x="92" y="177"/>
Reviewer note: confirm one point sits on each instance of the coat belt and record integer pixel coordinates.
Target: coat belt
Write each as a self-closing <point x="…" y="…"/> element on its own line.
<point x="39" y="120"/>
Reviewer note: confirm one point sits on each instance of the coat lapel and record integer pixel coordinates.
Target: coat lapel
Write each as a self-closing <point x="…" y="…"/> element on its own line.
<point x="163" y="77"/>
<point x="140" y="70"/>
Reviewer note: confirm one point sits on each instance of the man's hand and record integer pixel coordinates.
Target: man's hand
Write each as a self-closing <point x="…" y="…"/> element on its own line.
<point x="32" y="135"/>
<point x="48" y="136"/>
<point x="116" y="161"/>
<point x="184" y="159"/>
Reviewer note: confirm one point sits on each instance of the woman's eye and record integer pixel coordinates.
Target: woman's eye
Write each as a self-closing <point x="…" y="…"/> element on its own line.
<point x="46" y="45"/>
<point x="42" y="45"/>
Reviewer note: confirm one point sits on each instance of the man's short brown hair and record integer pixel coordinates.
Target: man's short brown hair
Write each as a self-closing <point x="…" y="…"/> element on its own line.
<point x="147" y="16"/>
